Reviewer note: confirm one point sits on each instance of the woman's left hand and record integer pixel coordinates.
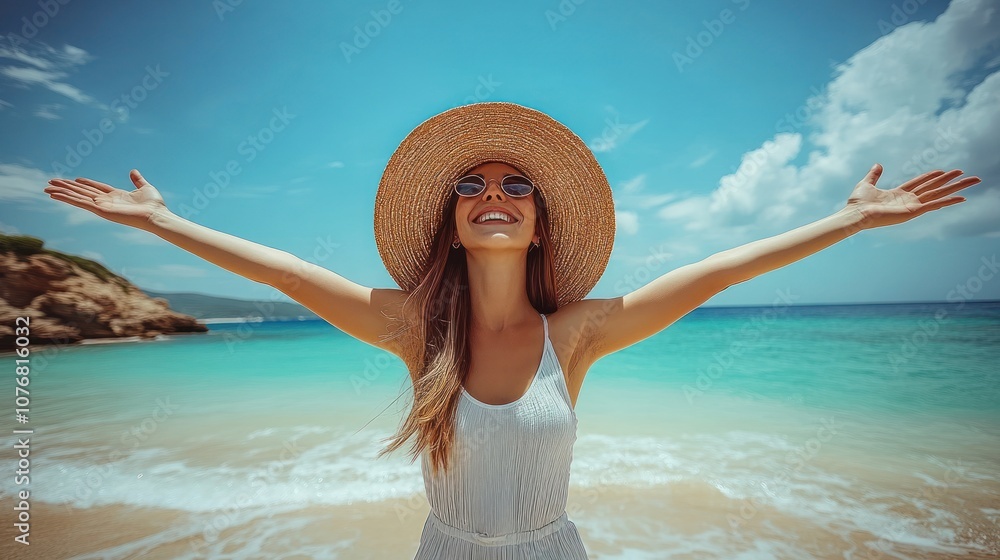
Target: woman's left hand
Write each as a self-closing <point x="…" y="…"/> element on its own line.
<point x="917" y="196"/>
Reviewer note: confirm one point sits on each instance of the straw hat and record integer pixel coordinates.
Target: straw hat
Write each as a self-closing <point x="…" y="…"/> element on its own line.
<point x="419" y="177"/>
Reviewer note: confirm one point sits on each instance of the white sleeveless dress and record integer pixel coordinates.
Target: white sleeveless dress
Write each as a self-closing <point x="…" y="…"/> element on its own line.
<point x="504" y="497"/>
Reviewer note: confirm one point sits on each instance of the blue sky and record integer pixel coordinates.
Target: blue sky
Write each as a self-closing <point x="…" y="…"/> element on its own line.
<point x="717" y="122"/>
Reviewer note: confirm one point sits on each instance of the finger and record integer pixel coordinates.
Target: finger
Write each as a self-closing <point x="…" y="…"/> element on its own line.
<point x="873" y="174"/>
<point x="930" y="207"/>
<point x="85" y="190"/>
<point x="916" y="181"/>
<point x="936" y="181"/>
<point x="103" y="187"/>
<point x="945" y="190"/>
<point x="86" y="204"/>
<point x="137" y="179"/>
<point x="69" y="193"/>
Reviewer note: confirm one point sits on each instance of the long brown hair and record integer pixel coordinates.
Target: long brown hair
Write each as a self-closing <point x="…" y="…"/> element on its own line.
<point x="436" y="318"/>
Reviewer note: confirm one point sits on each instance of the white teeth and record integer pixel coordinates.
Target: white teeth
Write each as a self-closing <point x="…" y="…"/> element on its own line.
<point x="494" y="215"/>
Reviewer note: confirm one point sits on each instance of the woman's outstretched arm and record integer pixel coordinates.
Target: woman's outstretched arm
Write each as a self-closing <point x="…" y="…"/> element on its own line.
<point x="351" y="307"/>
<point x="144" y="208"/>
<point x="615" y="323"/>
<point x="867" y="208"/>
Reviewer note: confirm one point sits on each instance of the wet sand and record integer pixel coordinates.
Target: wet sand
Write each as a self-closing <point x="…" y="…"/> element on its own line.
<point x="685" y="523"/>
<point x="358" y="531"/>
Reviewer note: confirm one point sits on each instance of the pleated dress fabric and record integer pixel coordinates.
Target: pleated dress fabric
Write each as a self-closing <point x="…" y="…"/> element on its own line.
<point x="504" y="497"/>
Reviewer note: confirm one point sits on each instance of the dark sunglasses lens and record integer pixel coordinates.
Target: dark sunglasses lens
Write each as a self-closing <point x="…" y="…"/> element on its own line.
<point x="517" y="186"/>
<point x="470" y="186"/>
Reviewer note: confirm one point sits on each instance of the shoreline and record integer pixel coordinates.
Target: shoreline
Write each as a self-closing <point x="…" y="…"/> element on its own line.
<point x="44" y="347"/>
<point x="214" y="320"/>
<point x="258" y="319"/>
<point x="162" y="336"/>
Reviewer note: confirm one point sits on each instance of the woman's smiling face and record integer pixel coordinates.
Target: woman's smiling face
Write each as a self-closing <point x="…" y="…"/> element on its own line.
<point x="518" y="232"/>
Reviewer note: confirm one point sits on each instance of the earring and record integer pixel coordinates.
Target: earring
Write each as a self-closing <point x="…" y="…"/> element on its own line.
<point x="536" y="244"/>
<point x="456" y="244"/>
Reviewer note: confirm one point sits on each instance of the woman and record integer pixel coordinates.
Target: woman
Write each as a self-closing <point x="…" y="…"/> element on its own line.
<point x="496" y="220"/>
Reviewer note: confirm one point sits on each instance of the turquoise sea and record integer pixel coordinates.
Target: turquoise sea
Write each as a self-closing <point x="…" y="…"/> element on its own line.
<point x="834" y="431"/>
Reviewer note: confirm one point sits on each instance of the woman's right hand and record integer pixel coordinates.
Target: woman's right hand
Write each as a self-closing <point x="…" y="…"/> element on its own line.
<point x="132" y="208"/>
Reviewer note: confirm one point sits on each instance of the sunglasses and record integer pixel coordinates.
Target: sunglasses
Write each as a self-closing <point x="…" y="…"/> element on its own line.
<point x="516" y="186"/>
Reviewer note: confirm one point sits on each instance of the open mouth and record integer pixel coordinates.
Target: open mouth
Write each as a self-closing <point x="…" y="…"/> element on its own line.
<point x="494" y="217"/>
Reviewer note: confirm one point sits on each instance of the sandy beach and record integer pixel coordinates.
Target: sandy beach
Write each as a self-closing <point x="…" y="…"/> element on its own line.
<point x="131" y="532"/>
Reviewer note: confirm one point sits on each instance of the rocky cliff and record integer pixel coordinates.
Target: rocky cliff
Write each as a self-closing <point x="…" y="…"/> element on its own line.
<point x="69" y="298"/>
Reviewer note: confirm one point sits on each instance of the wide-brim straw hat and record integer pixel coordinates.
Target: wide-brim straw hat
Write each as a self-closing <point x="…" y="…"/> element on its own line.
<point x="420" y="175"/>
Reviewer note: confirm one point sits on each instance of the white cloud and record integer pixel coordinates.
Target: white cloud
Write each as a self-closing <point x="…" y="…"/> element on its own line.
<point x="633" y="194"/>
<point x="335" y="164"/>
<point x="915" y="100"/>
<point x="4" y="104"/>
<point x="45" y="78"/>
<point x="650" y="201"/>
<point x="634" y="184"/>
<point x="763" y="189"/>
<point x="22" y="184"/>
<point x="20" y="56"/>
<point x="615" y="133"/>
<point x="703" y="159"/>
<point x="26" y="185"/>
<point x="75" y="55"/>
<point x="630" y="199"/>
<point x="750" y="192"/>
<point x="44" y="56"/>
<point x="627" y="221"/>
<point x="49" y="111"/>
<point x="686" y="211"/>
<point x="46" y="67"/>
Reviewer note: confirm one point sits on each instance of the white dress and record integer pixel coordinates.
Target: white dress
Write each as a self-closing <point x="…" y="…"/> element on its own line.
<point x="504" y="497"/>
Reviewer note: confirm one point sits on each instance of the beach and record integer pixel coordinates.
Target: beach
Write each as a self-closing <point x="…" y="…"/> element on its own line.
<point x="824" y="432"/>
